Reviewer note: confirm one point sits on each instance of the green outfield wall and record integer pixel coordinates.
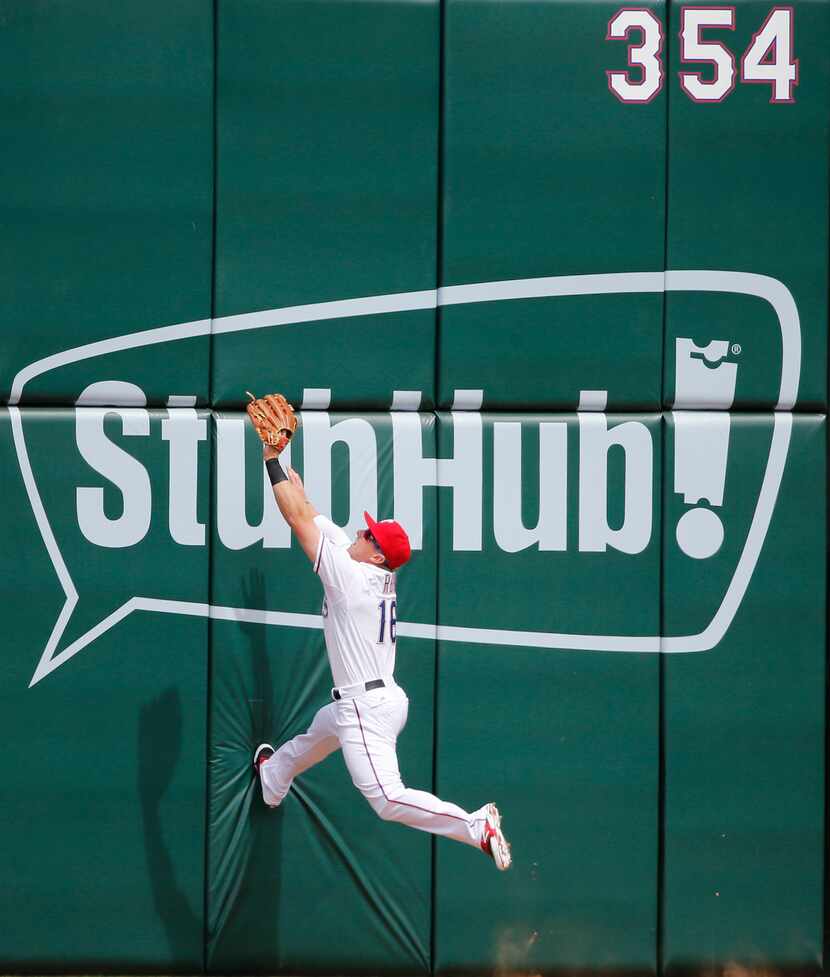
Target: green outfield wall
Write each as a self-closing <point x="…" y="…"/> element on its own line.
<point x="547" y="283"/>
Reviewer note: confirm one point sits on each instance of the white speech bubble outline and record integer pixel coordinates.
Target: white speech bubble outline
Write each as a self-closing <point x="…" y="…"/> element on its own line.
<point x="770" y="289"/>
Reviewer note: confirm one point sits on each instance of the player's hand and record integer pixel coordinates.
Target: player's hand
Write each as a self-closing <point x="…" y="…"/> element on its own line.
<point x="269" y="452"/>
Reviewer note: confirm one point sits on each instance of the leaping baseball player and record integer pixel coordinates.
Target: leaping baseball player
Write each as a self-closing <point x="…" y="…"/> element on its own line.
<point x="369" y="709"/>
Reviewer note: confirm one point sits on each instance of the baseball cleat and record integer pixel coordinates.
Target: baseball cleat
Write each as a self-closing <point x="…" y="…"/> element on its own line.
<point x="263" y="752"/>
<point x="493" y="842"/>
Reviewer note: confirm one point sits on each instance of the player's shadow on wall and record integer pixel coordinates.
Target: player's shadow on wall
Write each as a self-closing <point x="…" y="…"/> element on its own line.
<point x="245" y="876"/>
<point x="159" y="750"/>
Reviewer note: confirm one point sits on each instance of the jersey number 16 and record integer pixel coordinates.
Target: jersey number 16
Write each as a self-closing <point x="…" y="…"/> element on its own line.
<point x="393" y="621"/>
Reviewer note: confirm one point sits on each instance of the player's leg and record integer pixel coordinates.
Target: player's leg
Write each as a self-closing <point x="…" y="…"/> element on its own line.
<point x="368" y="727"/>
<point x="297" y="755"/>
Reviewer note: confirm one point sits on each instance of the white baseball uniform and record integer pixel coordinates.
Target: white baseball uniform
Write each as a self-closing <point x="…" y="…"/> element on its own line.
<point x="359" y="621"/>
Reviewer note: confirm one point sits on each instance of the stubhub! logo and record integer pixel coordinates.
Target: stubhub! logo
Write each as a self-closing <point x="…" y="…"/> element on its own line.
<point x="705" y="378"/>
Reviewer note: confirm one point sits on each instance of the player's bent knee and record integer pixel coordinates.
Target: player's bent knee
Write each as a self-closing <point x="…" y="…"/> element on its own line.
<point x="379" y="804"/>
<point x="389" y="809"/>
<point x="386" y="812"/>
<point x="382" y="805"/>
<point x="384" y="800"/>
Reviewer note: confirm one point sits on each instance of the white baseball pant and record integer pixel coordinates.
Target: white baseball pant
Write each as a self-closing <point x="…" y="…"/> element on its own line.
<point x="366" y="728"/>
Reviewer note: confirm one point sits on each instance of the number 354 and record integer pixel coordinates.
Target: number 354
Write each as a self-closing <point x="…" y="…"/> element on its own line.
<point x="767" y="61"/>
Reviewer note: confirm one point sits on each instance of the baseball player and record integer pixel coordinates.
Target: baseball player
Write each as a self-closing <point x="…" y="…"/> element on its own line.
<point x="369" y="709"/>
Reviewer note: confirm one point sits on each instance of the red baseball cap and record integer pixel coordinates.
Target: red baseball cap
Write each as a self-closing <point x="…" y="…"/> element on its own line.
<point x="392" y="539"/>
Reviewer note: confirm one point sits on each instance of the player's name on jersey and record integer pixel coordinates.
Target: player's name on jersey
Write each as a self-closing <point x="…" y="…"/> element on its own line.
<point x="242" y="489"/>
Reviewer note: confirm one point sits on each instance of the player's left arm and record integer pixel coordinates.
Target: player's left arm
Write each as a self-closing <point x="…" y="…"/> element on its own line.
<point x="295" y="507"/>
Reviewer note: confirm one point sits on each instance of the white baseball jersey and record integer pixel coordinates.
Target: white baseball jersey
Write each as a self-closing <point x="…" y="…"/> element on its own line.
<point x="359" y="610"/>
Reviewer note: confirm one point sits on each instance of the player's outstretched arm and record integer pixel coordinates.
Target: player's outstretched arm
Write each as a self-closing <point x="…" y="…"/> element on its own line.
<point x="291" y="499"/>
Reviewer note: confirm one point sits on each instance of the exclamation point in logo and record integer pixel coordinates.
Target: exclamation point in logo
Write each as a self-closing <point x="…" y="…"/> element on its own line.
<point x="701" y="445"/>
<point x="703" y="378"/>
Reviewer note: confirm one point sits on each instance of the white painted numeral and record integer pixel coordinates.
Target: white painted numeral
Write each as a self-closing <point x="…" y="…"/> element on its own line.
<point x="769" y="58"/>
<point x="693" y="49"/>
<point x="645" y="56"/>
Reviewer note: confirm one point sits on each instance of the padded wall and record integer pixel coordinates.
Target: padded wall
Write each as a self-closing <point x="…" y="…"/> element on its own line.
<point x="107" y="165"/>
<point x="744" y="722"/>
<point x="630" y="606"/>
<point x="747" y="195"/>
<point x="324" y="856"/>
<point x="566" y="741"/>
<point x="103" y="813"/>
<point x="547" y="174"/>
<point x="327" y="138"/>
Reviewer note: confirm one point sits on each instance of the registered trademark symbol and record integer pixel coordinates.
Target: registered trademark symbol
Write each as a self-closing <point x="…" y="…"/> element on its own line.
<point x="736" y="349"/>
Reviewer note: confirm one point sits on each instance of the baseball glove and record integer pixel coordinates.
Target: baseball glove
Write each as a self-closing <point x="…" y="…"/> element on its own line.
<point x="273" y="418"/>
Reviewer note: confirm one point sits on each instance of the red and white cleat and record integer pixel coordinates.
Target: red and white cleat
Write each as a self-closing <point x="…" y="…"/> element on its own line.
<point x="493" y="842"/>
<point x="263" y="752"/>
